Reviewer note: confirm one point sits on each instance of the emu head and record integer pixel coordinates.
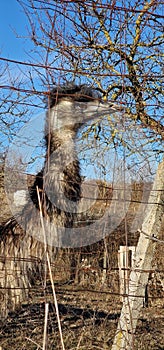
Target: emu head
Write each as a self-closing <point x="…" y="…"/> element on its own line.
<point x="72" y="105"/>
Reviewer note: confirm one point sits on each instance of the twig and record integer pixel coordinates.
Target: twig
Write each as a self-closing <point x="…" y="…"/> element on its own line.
<point x="38" y="346"/>
<point x="45" y="326"/>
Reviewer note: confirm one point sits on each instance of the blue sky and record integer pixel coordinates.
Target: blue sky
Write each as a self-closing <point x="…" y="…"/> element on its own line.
<point x="13" y="22"/>
<point x="14" y="41"/>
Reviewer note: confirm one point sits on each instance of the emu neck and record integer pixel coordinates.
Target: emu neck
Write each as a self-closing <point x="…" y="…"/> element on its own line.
<point x="62" y="175"/>
<point x="61" y="138"/>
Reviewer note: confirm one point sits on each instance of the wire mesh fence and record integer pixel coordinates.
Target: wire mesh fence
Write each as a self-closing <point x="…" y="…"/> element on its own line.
<point x="72" y="296"/>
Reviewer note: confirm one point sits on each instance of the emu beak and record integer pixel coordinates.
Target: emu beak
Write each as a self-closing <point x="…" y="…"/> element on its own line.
<point x="98" y="109"/>
<point x="106" y="107"/>
<point x="112" y="106"/>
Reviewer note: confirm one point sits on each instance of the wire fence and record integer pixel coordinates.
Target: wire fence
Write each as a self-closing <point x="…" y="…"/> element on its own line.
<point x="79" y="296"/>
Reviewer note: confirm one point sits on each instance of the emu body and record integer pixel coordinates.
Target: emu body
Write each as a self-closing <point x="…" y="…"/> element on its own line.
<point x="22" y="247"/>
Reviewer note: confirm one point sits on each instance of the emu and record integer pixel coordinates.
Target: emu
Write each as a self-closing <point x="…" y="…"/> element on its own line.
<point x="56" y="191"/>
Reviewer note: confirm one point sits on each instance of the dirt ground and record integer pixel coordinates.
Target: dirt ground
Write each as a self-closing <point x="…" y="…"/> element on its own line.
<point x="89" y="311"/>
<point x="88" y="320"/>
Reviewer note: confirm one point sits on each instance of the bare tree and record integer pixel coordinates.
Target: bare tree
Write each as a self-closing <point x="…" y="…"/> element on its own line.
<point x="117" y="48"/>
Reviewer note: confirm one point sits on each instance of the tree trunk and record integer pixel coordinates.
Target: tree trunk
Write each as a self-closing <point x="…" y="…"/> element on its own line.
<point x="133" y="302"/>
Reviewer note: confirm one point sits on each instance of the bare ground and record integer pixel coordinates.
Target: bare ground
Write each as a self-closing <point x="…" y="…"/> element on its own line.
<point x="88" y="313"/>
<point x="88" y="318"/>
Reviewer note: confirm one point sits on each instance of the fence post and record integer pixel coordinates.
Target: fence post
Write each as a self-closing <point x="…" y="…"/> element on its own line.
<point x="126" y="258"/>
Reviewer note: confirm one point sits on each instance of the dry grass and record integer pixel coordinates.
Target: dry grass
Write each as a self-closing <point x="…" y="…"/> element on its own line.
<point x="88" y="320"/>
<point x="88" y="309"/>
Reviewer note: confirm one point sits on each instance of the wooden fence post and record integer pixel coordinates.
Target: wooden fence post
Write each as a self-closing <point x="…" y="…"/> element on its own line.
<point x="126" y="258"/>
